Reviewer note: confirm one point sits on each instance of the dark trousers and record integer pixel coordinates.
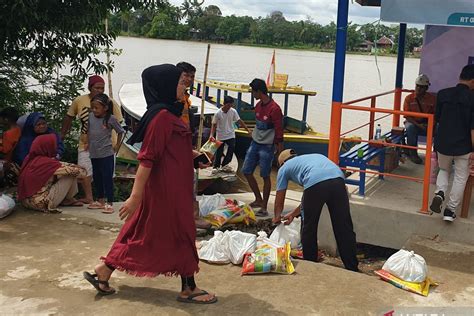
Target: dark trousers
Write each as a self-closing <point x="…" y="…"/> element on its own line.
<point x="333" y="193"/>
<point x="103" y="175"/>
<point x="228" y="156"/>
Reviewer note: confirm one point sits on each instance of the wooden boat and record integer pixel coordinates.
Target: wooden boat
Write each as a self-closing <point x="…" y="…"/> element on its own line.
<point x="298" y="135"/>
<point x="133" y="105"/>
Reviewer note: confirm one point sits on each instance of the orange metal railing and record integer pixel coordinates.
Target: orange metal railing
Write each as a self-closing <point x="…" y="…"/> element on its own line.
<point x="349" y="106"/>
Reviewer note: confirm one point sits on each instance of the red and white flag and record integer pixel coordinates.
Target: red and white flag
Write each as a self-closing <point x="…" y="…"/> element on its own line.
<point x="271" y="72"/>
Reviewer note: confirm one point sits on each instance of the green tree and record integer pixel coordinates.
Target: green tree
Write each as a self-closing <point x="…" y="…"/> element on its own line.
<point x="38" y="39"/>
<point x="354" y="37"/>
<point x="192" y="10"/>
<point x="166" y="24"/>
<point x="209" y="22"/>
<point x="234" y="29"/>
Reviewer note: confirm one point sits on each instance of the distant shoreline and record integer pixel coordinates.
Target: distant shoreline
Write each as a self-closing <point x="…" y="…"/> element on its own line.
<point x="300" y="48"/>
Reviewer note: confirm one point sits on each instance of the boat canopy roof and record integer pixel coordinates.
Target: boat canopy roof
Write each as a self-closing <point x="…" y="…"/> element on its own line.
<point x="245" y="88"/>
<point x="133" y="101"/>
<point x="430" y="12"/>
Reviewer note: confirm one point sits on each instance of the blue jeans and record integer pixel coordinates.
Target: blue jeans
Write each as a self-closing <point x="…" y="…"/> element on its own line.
<point x="259" y="154"/>
<point x="413" y="132"/>
<point x="103" y="175"/>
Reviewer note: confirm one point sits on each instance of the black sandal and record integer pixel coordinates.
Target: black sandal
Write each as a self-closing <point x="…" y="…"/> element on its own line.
<point x="93" y="279"/>
<point x="190" y="298"/>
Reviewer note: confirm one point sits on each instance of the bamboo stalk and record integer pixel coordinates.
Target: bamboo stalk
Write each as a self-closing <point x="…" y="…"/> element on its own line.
<point x="201" y="116"/>
<point x="107" y="53"/>
<point x="203" y="99"/>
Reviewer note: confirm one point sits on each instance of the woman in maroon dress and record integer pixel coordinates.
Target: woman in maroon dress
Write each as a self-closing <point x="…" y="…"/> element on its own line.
<point x="158" y="237"/>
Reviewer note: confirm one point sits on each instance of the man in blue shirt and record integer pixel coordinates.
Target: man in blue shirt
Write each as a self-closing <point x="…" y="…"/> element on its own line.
<point x="323" y="183"/>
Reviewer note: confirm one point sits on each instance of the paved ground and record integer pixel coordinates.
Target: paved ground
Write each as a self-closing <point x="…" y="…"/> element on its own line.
<point x="43" y="256"/>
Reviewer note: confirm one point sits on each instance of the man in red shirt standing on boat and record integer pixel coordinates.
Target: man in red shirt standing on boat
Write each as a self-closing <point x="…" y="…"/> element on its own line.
<point x="420" y="101"/>
<point x="267" y="134"/>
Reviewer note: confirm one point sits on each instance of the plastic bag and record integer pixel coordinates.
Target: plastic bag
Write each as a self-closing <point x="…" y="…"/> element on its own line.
<point x="239" y="244"/>
<point x="226" y="247"/>
<point x="268" y="258"/>
<point x="210" y="148"/>
<point x="422" y="288"/>
<point x="407" y="266"/>
<point x="208" y="203"/>
<point x="6" y="205"/>
<point x="288" y="233"/>
<point x="214" y="250"/>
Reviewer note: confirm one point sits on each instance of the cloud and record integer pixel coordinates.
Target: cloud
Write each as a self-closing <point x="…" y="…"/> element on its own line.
<point x="321" y="11"/>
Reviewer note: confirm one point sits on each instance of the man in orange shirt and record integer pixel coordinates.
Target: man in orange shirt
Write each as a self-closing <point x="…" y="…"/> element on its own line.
<point x="422" y="102"/>
<point x="187" y="78"/>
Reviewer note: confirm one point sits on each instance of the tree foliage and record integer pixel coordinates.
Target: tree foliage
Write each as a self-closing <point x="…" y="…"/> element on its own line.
<point x="48" y="47"/>
<point x="194" y="19"/>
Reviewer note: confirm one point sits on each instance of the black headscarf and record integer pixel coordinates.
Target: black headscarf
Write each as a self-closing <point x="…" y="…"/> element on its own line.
<point x="159" y="87"/>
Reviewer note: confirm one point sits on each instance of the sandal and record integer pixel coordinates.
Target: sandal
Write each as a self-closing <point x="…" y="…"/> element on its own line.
<point x="191" y="299"/>
<point x="93" y="279"/>
<point x="96" y="205"/>
<point x="108" y="209"/>
<point x="261" y="213"/>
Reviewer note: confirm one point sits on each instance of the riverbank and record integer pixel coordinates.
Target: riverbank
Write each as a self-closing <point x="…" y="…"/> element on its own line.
<point x="294" y="47"/>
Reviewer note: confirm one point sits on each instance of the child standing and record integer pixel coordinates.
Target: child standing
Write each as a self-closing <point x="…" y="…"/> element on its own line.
<point x="223" y="125"/>
<point x="101" y="123"/>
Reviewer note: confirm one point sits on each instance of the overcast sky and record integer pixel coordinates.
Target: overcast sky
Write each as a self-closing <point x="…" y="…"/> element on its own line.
<point x="321" y="11"/>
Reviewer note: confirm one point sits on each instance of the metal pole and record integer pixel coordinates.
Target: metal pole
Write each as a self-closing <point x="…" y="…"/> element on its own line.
<point x="399" y="76"/>
<point x="338" y="81"/>
<point x="373" y="103"/>
<point x="426" y="176"/>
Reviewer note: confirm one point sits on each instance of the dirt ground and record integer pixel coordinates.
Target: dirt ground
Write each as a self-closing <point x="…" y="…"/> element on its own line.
<point x="43" y="256"/>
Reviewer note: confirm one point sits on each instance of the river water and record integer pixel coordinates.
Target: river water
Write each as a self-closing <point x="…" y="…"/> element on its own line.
<point x="311" y="70"/>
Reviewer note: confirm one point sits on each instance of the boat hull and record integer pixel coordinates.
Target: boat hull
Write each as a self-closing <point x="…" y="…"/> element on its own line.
<point x="303" y="144"/>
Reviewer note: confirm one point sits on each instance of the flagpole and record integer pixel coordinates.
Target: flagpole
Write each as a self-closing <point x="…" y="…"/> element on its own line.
<point x="274" y="67"/>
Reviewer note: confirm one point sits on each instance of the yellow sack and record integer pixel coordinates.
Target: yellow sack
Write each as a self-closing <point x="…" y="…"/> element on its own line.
<point x="210" y="148"/>
<point x="246" y="216"/>
<point x="422" y="288"/>
<point x="267" y="258"/>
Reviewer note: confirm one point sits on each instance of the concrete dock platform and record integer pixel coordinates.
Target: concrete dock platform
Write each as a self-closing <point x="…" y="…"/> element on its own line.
<point x="43" y="256"/>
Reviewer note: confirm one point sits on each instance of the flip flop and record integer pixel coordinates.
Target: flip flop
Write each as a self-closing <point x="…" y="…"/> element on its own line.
<point x="93" y="279"/>
<point x="261" y="213"/>
<point x="190" y="299"/>
<point x="108" y="209"/>
<point x="96" y="206"/>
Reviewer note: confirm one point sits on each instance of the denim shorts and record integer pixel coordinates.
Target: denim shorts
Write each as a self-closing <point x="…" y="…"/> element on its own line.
<point x="259" y="154"/>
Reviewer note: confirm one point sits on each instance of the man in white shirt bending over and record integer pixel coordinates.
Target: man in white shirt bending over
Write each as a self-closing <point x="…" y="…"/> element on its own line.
<point x="223" y="124"/>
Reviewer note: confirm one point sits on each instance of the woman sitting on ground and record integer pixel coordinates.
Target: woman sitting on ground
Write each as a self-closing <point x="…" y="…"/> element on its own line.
<point x="44" y="182"/>
<point x="35" y="125"/>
